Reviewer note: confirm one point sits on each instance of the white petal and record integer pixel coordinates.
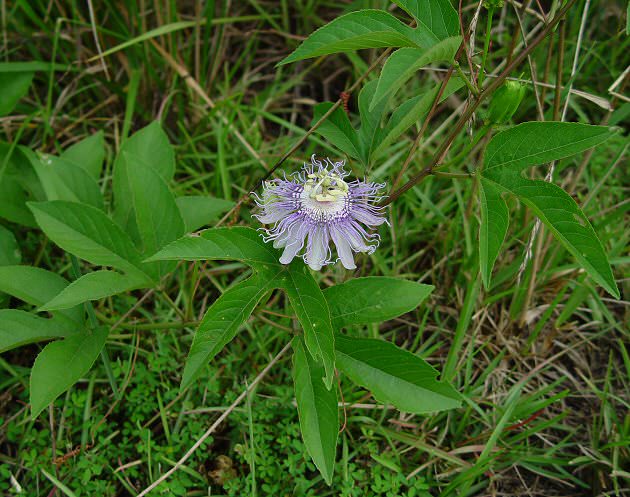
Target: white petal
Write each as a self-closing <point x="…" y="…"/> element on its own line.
<point x="316" y="252"/>
<point x="294" y="242"/>
<point x="271" y="216"/>
<point x="343" y="249"/>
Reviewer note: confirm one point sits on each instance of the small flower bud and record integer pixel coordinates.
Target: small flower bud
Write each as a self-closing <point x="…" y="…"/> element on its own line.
<point x="505" y="101"/>
<point x="493" y="4"/>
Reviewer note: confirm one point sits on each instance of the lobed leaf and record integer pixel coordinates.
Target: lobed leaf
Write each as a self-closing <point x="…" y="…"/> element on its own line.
<point x="198" y="211"/>
<point x="94" y="286"/>
<point x="437" y="16"/>
<point x="373" y="299"/>
<point x="405" y="62"/>
<point x="317" y="410"/>
<point x="534" y="143"/>
<point x="36" y="286"/>
<point x="311" y="309"/>
<point x="492" y="229"/>
<point x="355" y="31"/>
<point x="507" y="155"/>
<point x="13" y="86"/>
<point x="223" y="320"/>
<point x="19" y="328"/>
<point x="88" y="154"/>
<point x="337" y="129"/>
<point x="149" y="146"/>
<point x="87" y="233"/>
<point x="61" y="364"/>
<point x="237" y="243"/>
<point x="157" y="216"/>
<point x="395" y="376"/>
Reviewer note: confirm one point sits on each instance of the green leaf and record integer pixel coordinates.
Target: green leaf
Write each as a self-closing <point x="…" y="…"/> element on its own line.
<point x="63" y="180"/>
<point x="19" y="328"/>
<point x="337" y="129"/>
<point x="61" y="364"/>
<point x="410" y="112"/>
<point x="437" y="16"/>
<point x="13" y="206"/>
<point x="94" y="286"/>
<point x="149" y="146"/>
<point x="317" y="410"/>
<point x="14" y="171"/>
<point x="534" y="143"/>
<point x="355" y="31"/>
<point x="88" y="154"/>
<point x="405" y="62"/>
<point x="237" y="243"/>
<point x="13" y="86"/>
<point x="370" y="130"/>
<point x="311" y="309"/>
<point x="223" y="320"/>
<point x="198" y="211"/>
<point x="9" y="251"/>
<point x="373" y="299"/>
<point x="492" y="229"/>
<point x="157" y="216"/>
<point x="36" y="286"/>
<point x="87" y="233"/>
<point x="395" y="376"/>
<point x="510" y="152"/>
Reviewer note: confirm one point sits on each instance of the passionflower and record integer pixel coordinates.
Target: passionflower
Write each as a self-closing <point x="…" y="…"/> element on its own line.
<point x="315" y="206"/>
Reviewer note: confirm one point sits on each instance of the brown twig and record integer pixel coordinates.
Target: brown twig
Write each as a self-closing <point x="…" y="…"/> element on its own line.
<point x="443" y="148"/>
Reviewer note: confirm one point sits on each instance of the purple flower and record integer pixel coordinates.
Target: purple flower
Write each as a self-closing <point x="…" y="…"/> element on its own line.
<point x="316" y="206"/>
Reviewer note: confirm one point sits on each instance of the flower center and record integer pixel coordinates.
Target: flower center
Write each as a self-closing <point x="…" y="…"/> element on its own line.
<point x="324" y="196"/>
<point x="325" y="186"/>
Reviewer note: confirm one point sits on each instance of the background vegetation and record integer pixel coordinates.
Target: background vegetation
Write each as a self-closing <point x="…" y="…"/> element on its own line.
<point x="543" y="362"/>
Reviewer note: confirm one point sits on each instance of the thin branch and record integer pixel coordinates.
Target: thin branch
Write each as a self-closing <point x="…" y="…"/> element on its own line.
<point x="443" y="148"/>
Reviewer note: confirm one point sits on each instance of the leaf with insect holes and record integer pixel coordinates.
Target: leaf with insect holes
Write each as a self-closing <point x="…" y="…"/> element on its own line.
<point x="437" y="16"/>
<point x="317" y="410"/>
<point x="507" y="156"/>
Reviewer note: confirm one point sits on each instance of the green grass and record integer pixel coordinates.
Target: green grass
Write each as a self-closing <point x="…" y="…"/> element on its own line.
<point x="545" y="372"/>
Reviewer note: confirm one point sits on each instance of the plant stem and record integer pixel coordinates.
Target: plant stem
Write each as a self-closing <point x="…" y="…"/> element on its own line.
<point x="473" y="89"/>
<point x="76" y="273"/>
<point x="486" y="47"/>
<point x="452" y="175"/>
<point x="444" y="146"/>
